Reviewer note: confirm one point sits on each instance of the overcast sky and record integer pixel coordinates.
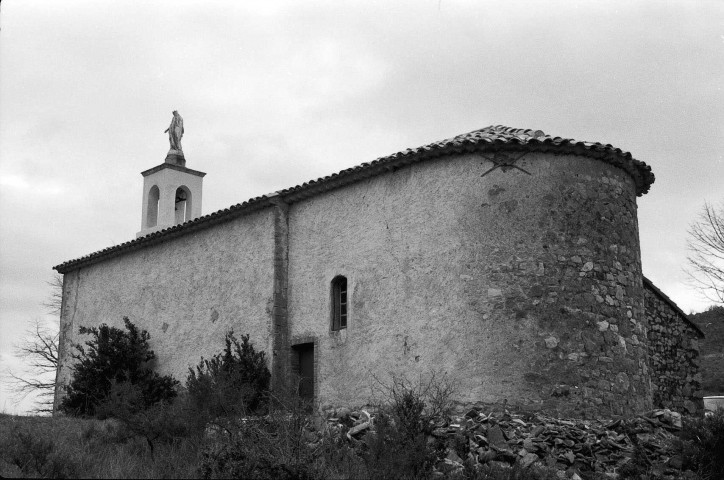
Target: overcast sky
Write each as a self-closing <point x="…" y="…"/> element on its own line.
<point x="277" y="93"/>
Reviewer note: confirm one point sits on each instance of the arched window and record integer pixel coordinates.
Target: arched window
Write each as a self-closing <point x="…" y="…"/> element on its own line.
<point x="183" y="205"/>
<point x="339" y="303"/>
<point x="152" y="210"/>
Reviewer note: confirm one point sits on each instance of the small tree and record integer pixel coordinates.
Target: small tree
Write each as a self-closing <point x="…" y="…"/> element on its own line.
<point x="233" y="382"/>
<point x="114" y="356"/>
<point x="39" y="351"/>
<point x="706" y="247"/>
<point x="164" y="421"/>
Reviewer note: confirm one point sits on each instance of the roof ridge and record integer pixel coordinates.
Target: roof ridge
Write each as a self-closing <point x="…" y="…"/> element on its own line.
<point x="492" y="137"/>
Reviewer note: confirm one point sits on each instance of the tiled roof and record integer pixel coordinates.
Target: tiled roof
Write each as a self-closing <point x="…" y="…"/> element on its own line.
<point x="160" y="236"/>
<point x="499" y="137"/>
<point x="489" y="139"/>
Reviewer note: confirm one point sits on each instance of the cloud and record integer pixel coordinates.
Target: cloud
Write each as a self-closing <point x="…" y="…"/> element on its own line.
<point x="274" y="94"/>
<point x="22" y="185"/>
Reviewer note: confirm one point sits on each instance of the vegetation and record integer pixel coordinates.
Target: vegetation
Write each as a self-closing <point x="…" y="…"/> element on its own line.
<point x="702" y="445"/>
<point x="404" y="424"/>
<point x="66" y="447"/>
<point x="39" y="350"/>
<point x="248" y="433"/>
<point x="231" y="383"/>
<point x="276" y="445"/>
<point x="706" y="252"/>
<point x="711" y="355"/>
<point x="112" y="357"/>
<point x="282" y="444"/>
<point x="165" y="421"/>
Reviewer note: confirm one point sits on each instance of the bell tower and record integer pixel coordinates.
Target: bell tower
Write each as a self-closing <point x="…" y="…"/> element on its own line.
<point x="171" y="192"/>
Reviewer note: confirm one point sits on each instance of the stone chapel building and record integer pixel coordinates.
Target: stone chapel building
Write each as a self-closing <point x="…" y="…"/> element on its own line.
<point x="506" y="258"/>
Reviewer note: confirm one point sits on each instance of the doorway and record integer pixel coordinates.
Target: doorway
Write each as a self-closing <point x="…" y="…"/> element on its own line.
<point x="303" y="368"/>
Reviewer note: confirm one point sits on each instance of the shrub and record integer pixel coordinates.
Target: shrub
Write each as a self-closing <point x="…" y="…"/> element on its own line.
<point x="394" y="450"/>
<point x="71" y="447"/>
<point x="279" y="445"/>
<point x="114" y="355"/>
<point x="336" y="457"/>
<point x="163" y="421"/>
<point x="702" y="445"/>
<point x="231" y="383"/>
<point x="399" y="446"/>
<point x="418" y="404"/>
<point x="639" y="465"/>
<point x="34" y="453"/>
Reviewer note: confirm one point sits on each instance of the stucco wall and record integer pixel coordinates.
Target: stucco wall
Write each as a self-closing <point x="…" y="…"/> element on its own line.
<point x="525" y="288"/>
<point x="674" y="357"/>
<point x="187" y="292"/>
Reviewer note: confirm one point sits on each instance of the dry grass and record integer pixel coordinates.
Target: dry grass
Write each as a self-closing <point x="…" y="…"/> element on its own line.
<point x="78" y="448"/>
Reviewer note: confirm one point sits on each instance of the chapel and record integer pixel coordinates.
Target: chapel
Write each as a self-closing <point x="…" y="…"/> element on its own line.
<point x="505" y="259"/>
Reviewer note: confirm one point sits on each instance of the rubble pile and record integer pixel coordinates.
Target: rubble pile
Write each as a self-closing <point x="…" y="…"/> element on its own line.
<point x="571" y="446"/>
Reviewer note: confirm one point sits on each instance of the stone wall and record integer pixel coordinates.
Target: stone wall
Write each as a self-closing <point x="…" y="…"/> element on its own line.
<point x="522" y="285"/>
<point x="673" y="354"/>
<point x="186" y="292"/>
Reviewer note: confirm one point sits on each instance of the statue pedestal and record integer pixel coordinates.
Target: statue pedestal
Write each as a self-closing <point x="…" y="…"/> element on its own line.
<point x="175" y="157"/>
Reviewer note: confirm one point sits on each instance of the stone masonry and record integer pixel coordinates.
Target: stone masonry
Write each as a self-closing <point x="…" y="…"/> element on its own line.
<point x="581" y="282"/>
<point x="673" y="354"/>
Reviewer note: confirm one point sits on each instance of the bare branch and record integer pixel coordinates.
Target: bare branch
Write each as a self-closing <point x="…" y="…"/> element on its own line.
<point x="706" y="258"/>
<point x="55" y="301"/>
<point x="39" y="351"/>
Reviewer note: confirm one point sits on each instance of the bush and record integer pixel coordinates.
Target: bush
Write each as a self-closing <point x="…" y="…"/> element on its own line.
<point x="399" y="446"/>
<point x="279" y="445"/>
<point x="35" y="454"/>
<point x="702" y="445"/>
<point x="71" y="447"/>
<point x="231" y="383"/>
<point x="114" y="356"/>
<point x="161" y="422"/>
<point x="394" y="450"/>
<point x="639" y="466"/>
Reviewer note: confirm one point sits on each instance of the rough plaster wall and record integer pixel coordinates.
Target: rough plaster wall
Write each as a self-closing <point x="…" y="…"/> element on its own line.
<point x="525" y="288"/>
<point x="187" y="292"/>
<point x="674" y="358"/>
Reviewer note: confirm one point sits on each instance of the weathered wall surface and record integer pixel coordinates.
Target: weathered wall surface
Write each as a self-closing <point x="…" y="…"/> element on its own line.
<point x="674" y="356"/>
<point x="525" y="288"/>
<point x="187" y="292"/>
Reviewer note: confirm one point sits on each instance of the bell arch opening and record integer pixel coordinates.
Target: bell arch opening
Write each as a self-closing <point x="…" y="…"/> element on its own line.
<point x="183" y="205"/>
<point x="152" y="209"/>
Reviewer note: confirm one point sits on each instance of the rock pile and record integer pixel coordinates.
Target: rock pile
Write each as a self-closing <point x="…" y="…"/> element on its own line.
<point x="574" y="447"/>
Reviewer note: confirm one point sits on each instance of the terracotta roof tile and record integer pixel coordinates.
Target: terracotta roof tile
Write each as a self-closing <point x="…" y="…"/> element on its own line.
<point x="499" y="137"/>
<point x="492" y="138"/>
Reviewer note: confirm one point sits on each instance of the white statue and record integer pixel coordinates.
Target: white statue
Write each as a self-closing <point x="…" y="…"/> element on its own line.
<point x="175" y="131"/>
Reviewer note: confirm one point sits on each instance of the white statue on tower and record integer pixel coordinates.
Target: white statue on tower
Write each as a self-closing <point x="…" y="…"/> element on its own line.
<point x="175" y="132"/>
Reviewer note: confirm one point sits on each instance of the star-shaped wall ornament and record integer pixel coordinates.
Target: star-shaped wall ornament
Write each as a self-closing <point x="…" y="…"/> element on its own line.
<point x="504" y="161"/>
